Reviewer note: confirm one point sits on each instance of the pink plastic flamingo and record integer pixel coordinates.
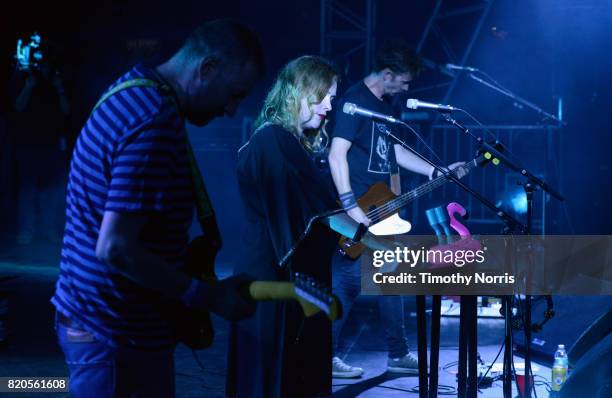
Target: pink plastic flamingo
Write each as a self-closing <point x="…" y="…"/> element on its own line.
<point x="461" y="229"/>
<point x="465" y="243"/>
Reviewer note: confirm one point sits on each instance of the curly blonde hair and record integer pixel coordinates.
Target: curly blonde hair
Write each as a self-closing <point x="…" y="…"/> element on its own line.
<point x="307" y="77"/>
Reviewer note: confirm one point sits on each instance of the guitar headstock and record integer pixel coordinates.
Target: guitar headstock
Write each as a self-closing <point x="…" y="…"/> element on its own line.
<point x="315" y="296"/>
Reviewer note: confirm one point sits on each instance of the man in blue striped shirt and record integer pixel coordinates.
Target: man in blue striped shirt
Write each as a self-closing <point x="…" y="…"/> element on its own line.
<point x="130" y="204"/>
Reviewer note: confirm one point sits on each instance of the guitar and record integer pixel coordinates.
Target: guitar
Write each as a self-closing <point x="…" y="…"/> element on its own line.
<point x="382" y="206"/>
<point x="194" y="328"/>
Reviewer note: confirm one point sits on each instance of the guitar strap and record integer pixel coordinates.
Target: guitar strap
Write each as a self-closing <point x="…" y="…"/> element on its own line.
<point x="395" y="183"/>
<point x="203" y="205"/>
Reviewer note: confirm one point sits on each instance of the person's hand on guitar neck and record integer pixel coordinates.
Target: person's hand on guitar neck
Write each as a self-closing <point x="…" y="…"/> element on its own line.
<point x="459" y="173"/>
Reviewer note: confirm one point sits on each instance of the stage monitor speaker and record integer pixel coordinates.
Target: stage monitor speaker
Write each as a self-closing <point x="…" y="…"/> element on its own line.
<point x="579" y="323"/>
<point x="591" y="376"/>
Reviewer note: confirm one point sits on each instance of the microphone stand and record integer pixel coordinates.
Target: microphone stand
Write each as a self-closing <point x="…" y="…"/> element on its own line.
<point x="504" y="216"/>
<point x="530" y="186"/>
<point x="505" y="160"/>
<point x="469" y="318"/>
<point x="518" y="99"/>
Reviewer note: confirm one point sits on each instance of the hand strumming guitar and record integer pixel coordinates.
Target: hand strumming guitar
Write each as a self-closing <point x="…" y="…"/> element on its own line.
<point x="359" y="216"/>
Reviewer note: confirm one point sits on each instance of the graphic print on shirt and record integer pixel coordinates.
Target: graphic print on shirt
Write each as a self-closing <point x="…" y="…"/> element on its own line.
<point x="379" y="150"/>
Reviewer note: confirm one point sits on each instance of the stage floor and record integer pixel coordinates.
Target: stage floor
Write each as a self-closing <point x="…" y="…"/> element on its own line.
<point x="33" y="351"/>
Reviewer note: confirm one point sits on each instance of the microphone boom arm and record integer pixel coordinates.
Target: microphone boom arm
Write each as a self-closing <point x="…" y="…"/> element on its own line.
<point x="511" y="222"/>
<point x="518" y="99"/>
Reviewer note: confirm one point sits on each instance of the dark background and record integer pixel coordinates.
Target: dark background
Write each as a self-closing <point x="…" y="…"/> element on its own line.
<point x="541" y="50"/>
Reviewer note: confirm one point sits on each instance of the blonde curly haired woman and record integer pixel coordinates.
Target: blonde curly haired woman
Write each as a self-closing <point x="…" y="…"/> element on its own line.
<point x="277" y="352"/>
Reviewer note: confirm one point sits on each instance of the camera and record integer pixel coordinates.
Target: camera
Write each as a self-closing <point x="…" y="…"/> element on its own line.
<point x="29" y="56"/>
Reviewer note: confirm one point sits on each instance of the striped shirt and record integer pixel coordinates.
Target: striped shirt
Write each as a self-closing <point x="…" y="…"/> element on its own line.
<point x="130" y="157"/>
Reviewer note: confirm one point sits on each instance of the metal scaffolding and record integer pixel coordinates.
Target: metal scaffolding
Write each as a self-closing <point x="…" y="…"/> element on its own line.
<point x="441" y="42"/>
<point x="348" y="30"/>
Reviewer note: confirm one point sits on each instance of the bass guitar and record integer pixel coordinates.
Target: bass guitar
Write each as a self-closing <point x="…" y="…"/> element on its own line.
<point x="382" y="206"/>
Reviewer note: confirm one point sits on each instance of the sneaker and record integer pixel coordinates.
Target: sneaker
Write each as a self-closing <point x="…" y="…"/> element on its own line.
<point x="406" y="364"/>
<point x="343" y="371"/>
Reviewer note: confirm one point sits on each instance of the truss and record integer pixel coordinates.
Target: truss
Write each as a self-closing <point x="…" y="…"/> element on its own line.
<point x="348" y="31"/>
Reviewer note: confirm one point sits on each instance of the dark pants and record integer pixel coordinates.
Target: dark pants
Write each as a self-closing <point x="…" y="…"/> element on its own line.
<point x="346" y="276"/>
<point x="98" y="370"/>
<point x="277" y="352"/>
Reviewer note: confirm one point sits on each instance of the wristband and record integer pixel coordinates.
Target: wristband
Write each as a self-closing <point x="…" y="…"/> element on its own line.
<point x="348" y="200"/>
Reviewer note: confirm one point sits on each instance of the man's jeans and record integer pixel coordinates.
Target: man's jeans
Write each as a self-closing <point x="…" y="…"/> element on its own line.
<point x="346" y="284"/>
<point x="99" y="370"/>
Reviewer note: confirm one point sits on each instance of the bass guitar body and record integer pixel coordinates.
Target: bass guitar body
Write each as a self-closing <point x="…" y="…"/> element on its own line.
<point x="377" y="196"/>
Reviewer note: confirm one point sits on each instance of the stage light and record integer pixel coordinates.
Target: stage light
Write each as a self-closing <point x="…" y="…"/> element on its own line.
<point x="513" y="200"/>
<point x="518" y="202"/>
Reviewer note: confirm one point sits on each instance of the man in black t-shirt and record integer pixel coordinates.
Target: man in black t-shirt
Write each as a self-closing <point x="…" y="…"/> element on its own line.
<point x="371" y="157"/>
<point x="362" y="154"/>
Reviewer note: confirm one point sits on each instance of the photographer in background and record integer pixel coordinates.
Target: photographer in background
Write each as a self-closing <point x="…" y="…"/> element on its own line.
<point x="37" y="134"/>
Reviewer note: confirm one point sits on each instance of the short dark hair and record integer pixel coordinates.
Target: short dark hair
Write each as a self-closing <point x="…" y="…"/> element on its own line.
<point x="233" y="41"/>
<point x="398" y="57"/>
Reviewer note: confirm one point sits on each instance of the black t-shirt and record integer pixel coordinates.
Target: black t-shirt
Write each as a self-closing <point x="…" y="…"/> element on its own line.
<point x="282" y="189"/>
<point x="371" y="157"/>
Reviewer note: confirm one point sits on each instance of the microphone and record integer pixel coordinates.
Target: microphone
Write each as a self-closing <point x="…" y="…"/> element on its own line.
<point x="458" y="67"/>
<point x="415" y="104"/>
<point x="351" y="109"/>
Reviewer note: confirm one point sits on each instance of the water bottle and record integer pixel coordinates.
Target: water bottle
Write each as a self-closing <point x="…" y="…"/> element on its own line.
<point x="559" y="369"/>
